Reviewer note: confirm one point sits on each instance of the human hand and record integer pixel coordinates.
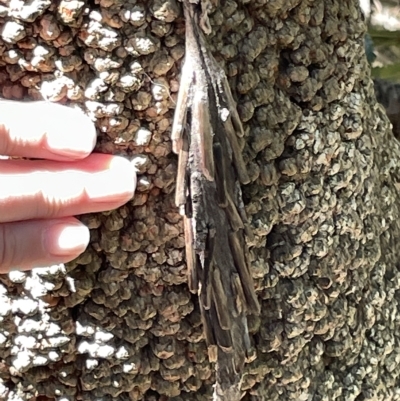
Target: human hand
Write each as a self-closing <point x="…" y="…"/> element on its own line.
<point x="39" y="197"/>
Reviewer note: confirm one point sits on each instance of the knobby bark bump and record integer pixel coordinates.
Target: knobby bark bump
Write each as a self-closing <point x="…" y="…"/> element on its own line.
<point x="321" y="202"/>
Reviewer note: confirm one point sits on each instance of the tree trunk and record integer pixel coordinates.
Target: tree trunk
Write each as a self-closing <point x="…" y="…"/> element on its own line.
<point x="120" y="322"/>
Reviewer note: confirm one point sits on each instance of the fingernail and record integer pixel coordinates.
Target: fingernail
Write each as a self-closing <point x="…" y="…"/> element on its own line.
<point x="121" y="182"/>
<point x="76" y="137"/>
<point x="65" y="239"/>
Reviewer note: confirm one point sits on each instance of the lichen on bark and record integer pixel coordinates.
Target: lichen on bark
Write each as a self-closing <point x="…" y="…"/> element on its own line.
<point x="119" y="322"/>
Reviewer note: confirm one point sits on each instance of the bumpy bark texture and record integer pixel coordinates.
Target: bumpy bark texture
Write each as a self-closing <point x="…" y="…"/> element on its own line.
<point x="120" y="323"/>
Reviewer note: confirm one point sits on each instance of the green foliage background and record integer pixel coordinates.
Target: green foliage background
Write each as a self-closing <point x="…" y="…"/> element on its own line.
<point x="382" y="43"/>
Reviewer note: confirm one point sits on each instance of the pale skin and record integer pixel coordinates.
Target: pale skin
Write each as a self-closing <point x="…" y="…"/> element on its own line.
<point x="39" y="198"/>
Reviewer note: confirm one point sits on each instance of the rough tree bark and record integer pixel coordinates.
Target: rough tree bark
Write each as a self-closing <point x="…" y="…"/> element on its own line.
<point x="120" y="322"/>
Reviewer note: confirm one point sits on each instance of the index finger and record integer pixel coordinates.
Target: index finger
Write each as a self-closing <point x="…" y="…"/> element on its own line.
<point x="45" y="130"/>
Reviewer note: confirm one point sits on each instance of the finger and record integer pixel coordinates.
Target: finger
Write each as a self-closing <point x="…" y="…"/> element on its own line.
<point x="44" y="130"/>
<point x="39" y="189"/>
<point x="25" y="245"/>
